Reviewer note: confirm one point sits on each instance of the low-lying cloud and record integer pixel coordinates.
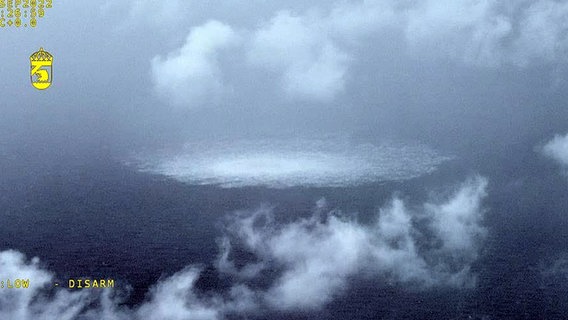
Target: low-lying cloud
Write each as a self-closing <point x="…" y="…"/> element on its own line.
<point x="191" y="75"/>
<point x="311" y="262"/>
<point x="557" y="150"/>
<point x="311" y="50"/>
<point x="319" y="254"/>
<point x="302" y="51"/>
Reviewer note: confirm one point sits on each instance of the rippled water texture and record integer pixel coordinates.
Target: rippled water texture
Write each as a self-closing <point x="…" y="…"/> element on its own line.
<point x="288" y="163"/>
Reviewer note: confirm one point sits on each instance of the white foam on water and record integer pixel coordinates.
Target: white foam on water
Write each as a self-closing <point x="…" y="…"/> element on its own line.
<point x="289" y="163"/>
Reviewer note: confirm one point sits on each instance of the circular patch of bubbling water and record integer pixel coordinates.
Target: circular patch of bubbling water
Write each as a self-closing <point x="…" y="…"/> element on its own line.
<point x="289" y="163"/>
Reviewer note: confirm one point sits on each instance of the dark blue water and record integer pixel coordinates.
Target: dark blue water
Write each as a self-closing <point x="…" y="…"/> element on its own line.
<point x="90" y="216"/>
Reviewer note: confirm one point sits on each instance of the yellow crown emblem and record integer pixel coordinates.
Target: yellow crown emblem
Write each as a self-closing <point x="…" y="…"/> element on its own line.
<point x="41" y="72"/>
<point x="41" y="56"/>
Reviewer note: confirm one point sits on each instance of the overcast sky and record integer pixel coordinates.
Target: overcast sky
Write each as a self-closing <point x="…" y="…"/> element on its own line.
<point x="445" y="72"/>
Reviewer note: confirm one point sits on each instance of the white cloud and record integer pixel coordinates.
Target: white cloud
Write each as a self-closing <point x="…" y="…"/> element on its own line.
<point x="318" y="255"/>
<point x="191" y="76"/>
<point x="310" y="51"/>
<point x="313" y="259"/>
<point x="171" y="299"/>
<point x="489" y="32"/>
<point x="174" y="299"/>
<point x="467" y="30"/>
<point x="557" y="149"/>
<point x="543" y="34"/>
<point x="318" y="258"/>
<point x="300" y="48"/>
<point x="393" y="250"/>
<point x="30" y="303"/>
<point x="458" y="221"/>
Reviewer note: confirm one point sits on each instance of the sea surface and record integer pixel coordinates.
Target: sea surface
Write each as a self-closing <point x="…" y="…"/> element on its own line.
<point x="92" y="215"/>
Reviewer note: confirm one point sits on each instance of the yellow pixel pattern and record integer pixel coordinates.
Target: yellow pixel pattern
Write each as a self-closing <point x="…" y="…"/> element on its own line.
<point x="41" y="72"/>
<point x="22" y="13"/>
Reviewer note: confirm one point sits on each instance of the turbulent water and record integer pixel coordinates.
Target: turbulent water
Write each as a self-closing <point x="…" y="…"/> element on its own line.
<point x="460" y="242"/>
<point x="288" y="163"/>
